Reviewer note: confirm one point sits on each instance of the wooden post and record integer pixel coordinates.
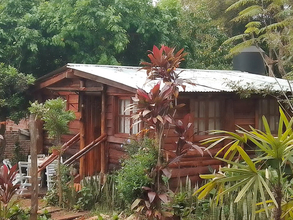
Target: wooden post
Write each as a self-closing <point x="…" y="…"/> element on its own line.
<point x="103" y="131"/>
<point x="40" y="140"/>
<point x="34" y="136"/>
<point x="82" y="134"/>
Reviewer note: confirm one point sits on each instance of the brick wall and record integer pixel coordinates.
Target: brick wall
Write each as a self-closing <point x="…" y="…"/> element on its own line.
<point x="13" y="136"/>
<point x="11" y="126"/>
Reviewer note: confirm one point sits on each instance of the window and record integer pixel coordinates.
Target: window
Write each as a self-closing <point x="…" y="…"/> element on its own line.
<point x="270" y="109"/>
<point x="124" y="118"/>
<point x="207" y="116"/>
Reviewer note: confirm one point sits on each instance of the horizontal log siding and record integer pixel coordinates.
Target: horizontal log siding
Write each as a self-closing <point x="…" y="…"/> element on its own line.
<point x="115" y="151"/>
<point x="244" y="113"/>
<point x="116" y="154"/>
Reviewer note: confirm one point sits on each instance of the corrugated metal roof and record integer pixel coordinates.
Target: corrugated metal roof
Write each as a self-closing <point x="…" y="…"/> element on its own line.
<point x="205" y="80"/>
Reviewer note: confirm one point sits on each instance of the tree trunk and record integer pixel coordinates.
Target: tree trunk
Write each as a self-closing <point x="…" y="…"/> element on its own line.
<point x="34" y="136"/>
<point x="59" y="180"/>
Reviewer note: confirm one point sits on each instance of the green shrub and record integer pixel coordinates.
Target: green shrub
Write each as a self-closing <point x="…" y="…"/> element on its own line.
<point x="69" y="193"/>
<point x="135" y="169"/>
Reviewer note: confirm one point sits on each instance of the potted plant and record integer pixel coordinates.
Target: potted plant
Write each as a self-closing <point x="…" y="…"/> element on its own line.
<point x="55" y="150"/>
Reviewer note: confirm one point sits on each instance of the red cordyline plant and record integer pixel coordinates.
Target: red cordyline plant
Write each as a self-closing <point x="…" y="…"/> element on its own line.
<point x="156" y="109"/>
<point x="163" y="63"/>
<point x="7" y="188"/>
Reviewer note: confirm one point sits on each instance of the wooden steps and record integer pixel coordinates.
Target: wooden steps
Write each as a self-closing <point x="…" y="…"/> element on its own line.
<point x="78" y="215"/>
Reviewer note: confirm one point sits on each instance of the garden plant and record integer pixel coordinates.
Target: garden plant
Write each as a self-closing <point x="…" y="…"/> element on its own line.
<point x="56" y="118"/>
<point x="264" y="178"/>
<point x="156" y="110"/>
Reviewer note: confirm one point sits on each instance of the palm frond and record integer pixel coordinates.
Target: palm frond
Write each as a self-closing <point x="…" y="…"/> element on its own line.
<point x="239" y="4"/>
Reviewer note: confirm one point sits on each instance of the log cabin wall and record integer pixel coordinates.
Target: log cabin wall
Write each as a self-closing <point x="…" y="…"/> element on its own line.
<point x="115" y="138"/>
<point x="225" y="111"/>
<point x="209" y="111"/>
<point x="72" y="98"/>
<point x="218" y="110"/>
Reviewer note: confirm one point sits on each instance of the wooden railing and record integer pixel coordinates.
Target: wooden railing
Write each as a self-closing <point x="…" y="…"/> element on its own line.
<point x="85" y="150"/>
<point x="64" y="147"/>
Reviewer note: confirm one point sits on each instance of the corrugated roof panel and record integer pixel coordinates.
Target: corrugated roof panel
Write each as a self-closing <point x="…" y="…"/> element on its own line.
<point x="205" y="80"/>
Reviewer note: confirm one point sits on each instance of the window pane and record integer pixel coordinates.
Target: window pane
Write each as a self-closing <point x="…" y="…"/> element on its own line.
<point x="202" y="109"/>
<point x="201" y="127"/>
<point x="121" y="107"/>
<point x="211" y="109"/>
<point x="135" y="129"/>
<point x="211" y="124"/>
<point x="218" y="124"/>
<point x="217" y="108"/>
<point x="207" y="117"/>
<point x="196" y="112"/>
<point x="126" y="106"/>
<point x="127" y="125"/>
<point x="121" y="125"/>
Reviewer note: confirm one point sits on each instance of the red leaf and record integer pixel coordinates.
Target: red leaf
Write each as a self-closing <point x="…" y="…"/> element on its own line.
<point x="163" y="197"/>
<point x="156" y="88"/>
<point x="152" y="196"/>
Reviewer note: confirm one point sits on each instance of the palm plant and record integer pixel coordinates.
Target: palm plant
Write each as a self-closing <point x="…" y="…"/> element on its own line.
<point x="264" y="176"/>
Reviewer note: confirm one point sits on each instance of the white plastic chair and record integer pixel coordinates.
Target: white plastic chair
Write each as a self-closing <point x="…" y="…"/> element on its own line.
<point x="7" y="163"/>
<point x="24" y="175"/>
<point x="51" y="172"/>
<point x="39" y="156"/>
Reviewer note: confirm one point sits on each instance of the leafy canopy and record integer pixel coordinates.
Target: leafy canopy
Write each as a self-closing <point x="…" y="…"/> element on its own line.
<point x="56" y="118"/>
<point x="267" y="25"/>
<point x="14" y="94"/>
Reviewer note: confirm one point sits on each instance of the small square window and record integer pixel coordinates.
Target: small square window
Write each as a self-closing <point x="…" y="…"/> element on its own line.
<point x="207" y="116"/>
<point x="125" y="122"/>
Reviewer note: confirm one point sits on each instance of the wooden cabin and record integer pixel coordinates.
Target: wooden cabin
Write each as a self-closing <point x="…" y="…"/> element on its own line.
<point x="99" y="95"/>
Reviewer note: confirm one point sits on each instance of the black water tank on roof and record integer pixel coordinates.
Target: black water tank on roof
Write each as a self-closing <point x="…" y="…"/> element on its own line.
<point x="250" y="60"/>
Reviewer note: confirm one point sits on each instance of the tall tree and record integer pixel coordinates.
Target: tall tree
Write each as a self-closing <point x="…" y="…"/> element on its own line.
<point x="38" y="36"/>
<point x="13" y="98"/>
<point x="199" y="35"/>
<point x="268" y="25"/>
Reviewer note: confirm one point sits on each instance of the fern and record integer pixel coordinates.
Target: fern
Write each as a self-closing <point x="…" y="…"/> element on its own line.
<point x="240" y="3"/>
<point x="252" y="11"/>
<point x="239" y="47"/>
<point x="236" y="38"/>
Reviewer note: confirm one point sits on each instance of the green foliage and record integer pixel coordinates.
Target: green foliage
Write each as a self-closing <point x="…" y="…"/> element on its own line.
<point x="13" y="93"/>
<point x="39" y="36"/>
<point x="69" y="193"/>
<point x="135" y="170"/>
<point x="199" y="35"/>
<point x="89" y="194"/>
<point x="267" y="27"/>
<point x="18" y="154"/>
<point x="264" y="178"/>
<point x="17" y="213"/>
<point x="56" y="118"/>
<point x="97" y="193"/>
<point x="245" y="91"/>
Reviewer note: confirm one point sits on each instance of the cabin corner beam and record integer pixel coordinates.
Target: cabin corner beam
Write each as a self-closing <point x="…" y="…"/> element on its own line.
<point x="54" y="79"/>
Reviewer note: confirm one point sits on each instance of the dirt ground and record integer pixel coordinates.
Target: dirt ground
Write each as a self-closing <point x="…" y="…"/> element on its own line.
<point x="56" y="213"/>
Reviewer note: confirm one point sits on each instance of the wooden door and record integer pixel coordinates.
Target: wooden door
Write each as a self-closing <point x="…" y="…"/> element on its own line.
<point x="92" y="119"/>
